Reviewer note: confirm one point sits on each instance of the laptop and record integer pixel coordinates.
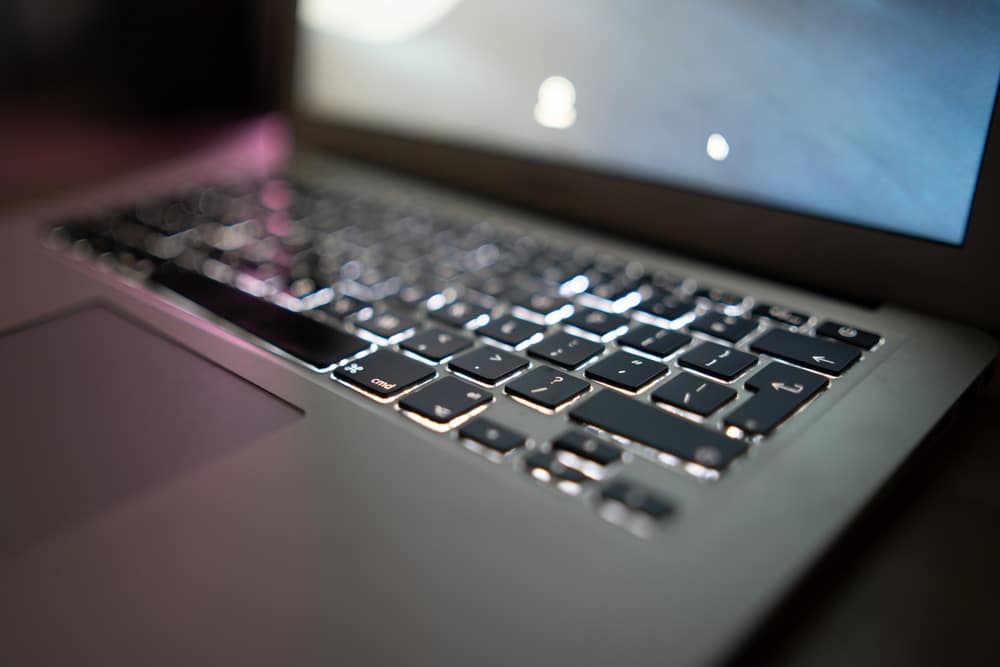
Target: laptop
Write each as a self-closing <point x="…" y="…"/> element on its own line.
<point x="564" y="333"/>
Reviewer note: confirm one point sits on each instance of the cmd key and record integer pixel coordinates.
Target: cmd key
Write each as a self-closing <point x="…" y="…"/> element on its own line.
<point x="825" y="356"/>
<point x="384" y="374"/>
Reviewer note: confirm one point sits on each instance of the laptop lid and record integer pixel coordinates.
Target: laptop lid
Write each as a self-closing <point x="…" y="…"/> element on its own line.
<point x="841" y="146"/>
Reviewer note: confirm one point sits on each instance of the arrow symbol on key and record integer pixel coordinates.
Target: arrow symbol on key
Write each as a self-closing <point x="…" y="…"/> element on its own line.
<point x="781" y="386"/>
<point x="820" y="359"/>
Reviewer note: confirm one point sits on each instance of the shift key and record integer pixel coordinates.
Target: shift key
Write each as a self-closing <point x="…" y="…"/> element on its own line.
<point x="825" y="356"/>
<point x="652" y="427"/>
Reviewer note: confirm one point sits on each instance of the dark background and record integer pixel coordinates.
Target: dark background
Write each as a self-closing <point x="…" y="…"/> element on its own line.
<point x="91" y="89"/>
<point x="123" y="60"/>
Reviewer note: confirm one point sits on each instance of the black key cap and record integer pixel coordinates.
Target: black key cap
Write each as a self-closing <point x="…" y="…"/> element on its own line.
<point x="436" y="344"/>
<point x="626" y="371"/>
<point x="586" y="446"/>
<point x="565" y="350"/>
<point x="388" y="326"/>
<point x="615" y="296"/>
<point x="654" y="340"/>
<point x="446" y="400"/>
<point x="781" y="390"/>
<point x="780" y="314"/>
<point x="667" y="307"/>
<point x="638" y="499"/>
<point x="384" y="373"/>
<point x="694" y="394"/>
<point x="652" y="427"/>
<point x="849" y="335"/>
<point x="547" y="387"/>
<point x="488" y="365"/>
<point x="345" y="306"/>
<point x="825" y="356"/>
<point x="488" y="433"/>
<point x="721" y="326"/>
<point x="544" y="467"/>
<point x="312" y="342"/>
<point x="540" y="308"/>
<point x="613" y="291"/>
<point x="462" y="314"/>
<point x="510" y="330"/>
<point x="597" y="322"/>
<point x="719" y="296"/>
<point x="718" y="361"/>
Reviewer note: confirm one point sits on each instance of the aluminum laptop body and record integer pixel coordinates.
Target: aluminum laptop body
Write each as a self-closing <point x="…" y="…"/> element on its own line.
<point x="181" y="488"/>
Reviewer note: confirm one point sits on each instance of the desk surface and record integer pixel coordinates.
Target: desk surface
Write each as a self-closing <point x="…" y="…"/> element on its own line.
<point x="916" y="581"/>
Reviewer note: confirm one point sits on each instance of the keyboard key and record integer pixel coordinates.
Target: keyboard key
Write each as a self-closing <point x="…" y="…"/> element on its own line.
<point x="491" y="435"/>
<point x="626" y="371"/>
<point x="511" y="330"/>
<point x="462" y="314"/>
<point x="540" y="308"/>
<point x="488" y="365"/>
<point x="312" y="342"/>
<point x="603" y="325"/>
<point x="446" y="400"/>
<point x="587" y="446"/>
<point x="388" y="326"/>
<point x="825" y="356"/>
<point x="384" y="373"/>
<point x="654" y="340"/>
<point x="344" y="307"/>
<point x="544" y="467"/>
<point x="547" y="388"/>
<point x="719" y="296"/>
<point x="666" y="307"/>
<point x="849" y="335"/>
<point x="613" y="291"/>
<point x="718" y="361"/>
<point x="780" y="391"/>
<point x="721" y="326"/>
<point x="652" y="427"/>
<point x="615" y="296"/>
<point x="780" y="314"/>
<point x="436" y="344"/>
<point x="637" y="499"/>
<point x="565" y="350"/>
<point x="692" y="393"/>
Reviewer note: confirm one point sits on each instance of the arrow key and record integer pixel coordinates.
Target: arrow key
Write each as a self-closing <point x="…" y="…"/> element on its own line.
<point x="825" y="356"/>
<point x="780" y="391"/>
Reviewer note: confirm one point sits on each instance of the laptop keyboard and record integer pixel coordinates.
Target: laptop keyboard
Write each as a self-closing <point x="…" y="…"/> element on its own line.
<point x="440" y="319"/>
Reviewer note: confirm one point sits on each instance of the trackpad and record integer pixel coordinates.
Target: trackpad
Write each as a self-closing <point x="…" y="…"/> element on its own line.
<point x="97" y="409"/>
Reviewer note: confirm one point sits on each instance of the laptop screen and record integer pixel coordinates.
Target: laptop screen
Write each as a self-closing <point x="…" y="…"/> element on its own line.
<point x="872" y="112"/>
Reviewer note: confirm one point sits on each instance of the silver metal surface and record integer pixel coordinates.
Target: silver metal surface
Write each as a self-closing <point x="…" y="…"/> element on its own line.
<point x="356" y="536"/>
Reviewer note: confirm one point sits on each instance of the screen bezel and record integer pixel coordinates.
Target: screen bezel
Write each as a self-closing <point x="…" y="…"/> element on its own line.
<point x="862" y="264"/>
